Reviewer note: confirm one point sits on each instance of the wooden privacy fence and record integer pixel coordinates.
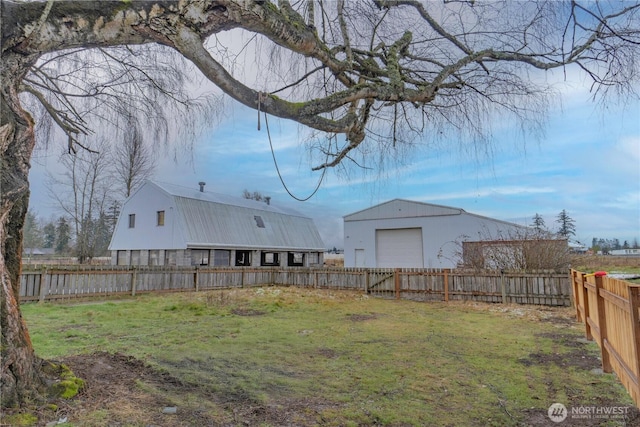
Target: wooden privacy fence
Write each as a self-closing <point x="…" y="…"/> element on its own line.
<point x="544" y="288"/>
<point x="609" y="309"/>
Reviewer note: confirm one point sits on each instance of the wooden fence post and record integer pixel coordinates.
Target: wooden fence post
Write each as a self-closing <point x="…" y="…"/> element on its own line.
<point x="366" y="281"/>
<point x="133" y="282"/>
<point x="43" y="285"/>
<point x="503" y="288"/>
<point x="634" y="305"/>
<point x="196" y="285"/>
<point x="585" y="308"/>
<point x="602" y="325"/>
<point x="573" y="274"/>
<point x="446" y="286"/>
<point x="396" y="278"/>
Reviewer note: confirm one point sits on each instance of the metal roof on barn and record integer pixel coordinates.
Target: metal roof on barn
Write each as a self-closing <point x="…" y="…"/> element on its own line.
<point x="217" y="220"/>
<point x="399" y="208"/>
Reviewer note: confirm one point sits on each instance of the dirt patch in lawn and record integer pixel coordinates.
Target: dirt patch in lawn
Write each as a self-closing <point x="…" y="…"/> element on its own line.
<point x="579" y="358"/>
<point x="574" y="358"/>
<point x="601" y="412"/>
<point x="361" y="317"/>
<point x="121" y="390"/>
<point x="247" y="312"/>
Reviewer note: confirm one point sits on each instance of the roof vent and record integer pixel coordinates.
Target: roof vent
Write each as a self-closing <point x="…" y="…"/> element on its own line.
<point x="202" y="184"/>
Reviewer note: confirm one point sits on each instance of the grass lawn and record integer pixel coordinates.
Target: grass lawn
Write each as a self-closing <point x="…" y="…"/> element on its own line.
<point x="286" y="356"/>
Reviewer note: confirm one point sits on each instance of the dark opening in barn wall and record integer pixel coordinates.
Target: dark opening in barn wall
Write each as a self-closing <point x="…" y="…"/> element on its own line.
<point x="269" y="258"/>
<point x="243" y="258"/>
<point x="295" y="259"/>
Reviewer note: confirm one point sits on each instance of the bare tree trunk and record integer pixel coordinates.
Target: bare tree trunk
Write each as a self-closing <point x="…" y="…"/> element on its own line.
<point x="19" y="376"/>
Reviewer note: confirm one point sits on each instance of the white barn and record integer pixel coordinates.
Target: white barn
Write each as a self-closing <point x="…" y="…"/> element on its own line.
<point x="164" y="224"/>
<point x="404" y="233"/>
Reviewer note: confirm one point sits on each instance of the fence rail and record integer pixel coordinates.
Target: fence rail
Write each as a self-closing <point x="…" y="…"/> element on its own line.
<point x="610" y="311"/>
<point x="56" y="282"/>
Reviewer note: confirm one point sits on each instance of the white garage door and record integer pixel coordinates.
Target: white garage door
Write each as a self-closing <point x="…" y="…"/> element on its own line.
<point x="400" y="247"/>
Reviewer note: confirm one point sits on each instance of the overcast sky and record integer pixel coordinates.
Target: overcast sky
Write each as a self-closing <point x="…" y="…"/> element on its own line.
<point x="587" y="162"/>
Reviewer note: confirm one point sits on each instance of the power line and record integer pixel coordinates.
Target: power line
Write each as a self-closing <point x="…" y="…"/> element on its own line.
<point x="275" y="162"/>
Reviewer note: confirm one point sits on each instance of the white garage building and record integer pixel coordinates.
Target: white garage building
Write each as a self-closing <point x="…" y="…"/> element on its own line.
<point x="404" y="233"/>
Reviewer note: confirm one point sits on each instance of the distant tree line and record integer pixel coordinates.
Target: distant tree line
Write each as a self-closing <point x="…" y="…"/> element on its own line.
<point x="566" y="229"/>
<point x="57" y="235"/>
<point x="605" y="246"/>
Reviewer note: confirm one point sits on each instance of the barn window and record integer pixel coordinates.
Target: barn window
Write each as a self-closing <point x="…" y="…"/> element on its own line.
<point x="243" y="258"/>
<point x="123" y="258"/>
<point x="221" y="257"/>
<point x="154" y="257"/>
<point x="313" y="258"/>
<point x="269" y="258"/>
<point x="259" y="221"/>
<point x="170" y="257"/>
<point x="132" y="220"/>
<point x="296" y="259"/>
<point x="135" y="257"/>
<point x="160" y="217"/>
<point x="199" y="257"/>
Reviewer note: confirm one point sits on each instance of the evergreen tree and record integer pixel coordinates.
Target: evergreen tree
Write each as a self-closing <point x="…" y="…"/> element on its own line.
<point x="102" y="234"/>
<point x="616" y="244"/>
<point x="63" y="236"/>
<point x="32" y="237"/>
<point x="113" y="213"/>
<point x="567" y="225"/>
<point x="49" y="235"/>
<point x="538" y="223"/>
